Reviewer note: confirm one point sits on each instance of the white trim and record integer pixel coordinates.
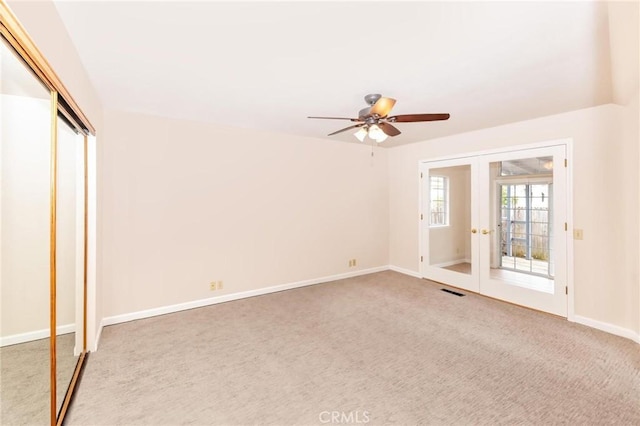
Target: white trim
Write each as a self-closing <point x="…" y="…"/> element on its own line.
<point x="606" y="327"/>
<point x="571" y="312"/>
<point x="93" y="331"/>
<point x="443" y="161"/>
<point x="96" y="341"/>
<point x="422" y="169"/>
<point x="405" y="271"/>
<point x="501" y="150"/>
<point x="523" y="179"/>
<point x="80" y="238"/>
<point x="117" y="319"/>
<point x="35" y="335"/>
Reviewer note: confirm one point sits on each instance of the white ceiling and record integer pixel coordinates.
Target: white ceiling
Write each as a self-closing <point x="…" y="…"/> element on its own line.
<point x="268" y="65"/>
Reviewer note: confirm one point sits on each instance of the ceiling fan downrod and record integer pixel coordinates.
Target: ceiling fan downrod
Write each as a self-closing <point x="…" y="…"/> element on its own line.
<point x="370" y="99"/>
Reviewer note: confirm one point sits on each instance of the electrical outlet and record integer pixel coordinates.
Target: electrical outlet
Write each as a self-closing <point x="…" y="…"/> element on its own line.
<point x="578" y="234"/>
<point x="220" y="285"/>
<point x="354" y="262"/>
<point x="212" y="286"/>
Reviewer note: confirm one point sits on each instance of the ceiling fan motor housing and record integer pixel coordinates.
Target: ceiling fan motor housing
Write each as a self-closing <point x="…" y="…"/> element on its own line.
<point x="372" y="98"/>
<point x="364" y="112"/>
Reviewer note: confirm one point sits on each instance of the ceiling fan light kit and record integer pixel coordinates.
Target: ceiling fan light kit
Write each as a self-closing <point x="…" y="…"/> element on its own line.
<point x="376" y="133"/>
<point x="374" y="121"/>
<point x="361" y="134"/>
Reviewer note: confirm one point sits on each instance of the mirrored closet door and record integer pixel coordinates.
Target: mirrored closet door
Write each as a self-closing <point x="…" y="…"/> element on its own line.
<point x="25" y="231"/>
<point x="42" y="247"/>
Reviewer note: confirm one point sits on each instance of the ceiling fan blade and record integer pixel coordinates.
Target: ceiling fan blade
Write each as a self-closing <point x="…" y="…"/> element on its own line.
<point x="383" y="107"/>
<point x="408" y="118"/>
<point x="388" y="129"/>
<point x="337" y="118"/>
<point x="346" y="128"/>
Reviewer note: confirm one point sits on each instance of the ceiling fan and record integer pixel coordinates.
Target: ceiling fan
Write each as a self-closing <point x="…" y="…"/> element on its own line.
<point x="374" y="121"/>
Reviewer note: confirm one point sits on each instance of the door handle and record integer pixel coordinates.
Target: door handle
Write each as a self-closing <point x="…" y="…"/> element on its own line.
<point x="474" y="230"/>
<point x="485" y="231"/>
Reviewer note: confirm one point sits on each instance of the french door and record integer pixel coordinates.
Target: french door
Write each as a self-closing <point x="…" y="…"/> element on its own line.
<point x="495" y="224"/>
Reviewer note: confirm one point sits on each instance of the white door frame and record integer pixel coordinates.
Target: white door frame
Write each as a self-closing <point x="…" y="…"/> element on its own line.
<point x="93" y="322"/>
<point x="568" y="144"/>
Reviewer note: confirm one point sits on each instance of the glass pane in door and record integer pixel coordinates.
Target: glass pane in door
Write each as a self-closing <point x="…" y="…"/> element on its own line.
<point x="450" y="218"/>
<point x="526" y="232"/>
<point x="522" y="246"/>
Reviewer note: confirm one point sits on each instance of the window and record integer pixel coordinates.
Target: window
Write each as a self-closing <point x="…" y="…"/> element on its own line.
<point x="439" y="186"/>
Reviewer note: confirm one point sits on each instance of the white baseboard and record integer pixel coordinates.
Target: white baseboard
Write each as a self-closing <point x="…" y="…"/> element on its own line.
<point x="117" y="319"/>
<point x="609" y="328"/>
<point x="405" y="271"/>
<point x="35" y="335"/>
<point x="603" y="326"/>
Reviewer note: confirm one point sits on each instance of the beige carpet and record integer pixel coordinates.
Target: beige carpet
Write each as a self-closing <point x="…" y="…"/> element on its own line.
<point x="25" y="380"/>
<point x="384" y="347"/>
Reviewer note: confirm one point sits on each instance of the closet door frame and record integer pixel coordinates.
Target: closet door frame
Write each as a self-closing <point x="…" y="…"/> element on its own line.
<point x="64" y="103"/>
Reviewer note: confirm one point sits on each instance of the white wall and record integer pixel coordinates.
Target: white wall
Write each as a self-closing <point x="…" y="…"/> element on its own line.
<point x="624" y="45"/>
<point x="187" y="203"/>
<point x="605" y="202"/>
<point x="628" y="202"/>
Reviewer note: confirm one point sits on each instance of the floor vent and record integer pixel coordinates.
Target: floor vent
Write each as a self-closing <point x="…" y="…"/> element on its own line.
<point x="455" y="293"/>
